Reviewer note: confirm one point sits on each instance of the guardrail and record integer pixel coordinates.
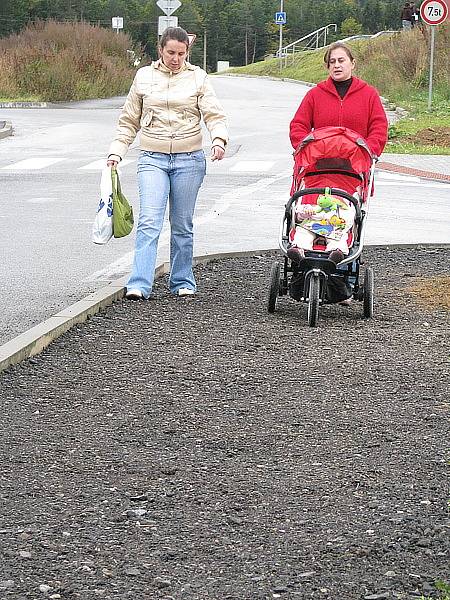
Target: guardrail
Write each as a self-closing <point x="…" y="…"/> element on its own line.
<point x="318" y="39"/>
<point x="315" y="39"/>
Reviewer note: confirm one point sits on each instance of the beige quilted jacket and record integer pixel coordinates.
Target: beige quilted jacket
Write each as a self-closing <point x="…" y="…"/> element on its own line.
<point x="167" y="107"/>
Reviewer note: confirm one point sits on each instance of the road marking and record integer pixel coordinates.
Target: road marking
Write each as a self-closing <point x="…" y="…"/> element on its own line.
<point x="422" y="184"/>
<point x="32" y="164"/>
<point x="396" y="176"/>
<point x="252" y="166"/>
<point x="99" y="165"/>
<point x="123" y="264"/>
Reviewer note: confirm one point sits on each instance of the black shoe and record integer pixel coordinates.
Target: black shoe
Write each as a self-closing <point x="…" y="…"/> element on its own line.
<point x="295" y="254"/>
<point x="336" y="256"/>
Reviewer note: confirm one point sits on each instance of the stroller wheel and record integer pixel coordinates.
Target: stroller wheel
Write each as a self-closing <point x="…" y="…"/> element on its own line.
<point x="274" y="287"/>
<point x="368" y="293"/>
<point x="313" y="300"/>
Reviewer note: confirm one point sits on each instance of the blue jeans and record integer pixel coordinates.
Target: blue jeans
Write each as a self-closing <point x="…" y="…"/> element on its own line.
<point x="162" y="177"/>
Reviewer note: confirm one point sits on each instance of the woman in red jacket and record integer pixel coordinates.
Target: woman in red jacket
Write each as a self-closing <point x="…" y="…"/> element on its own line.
<point x="342" y="100"/>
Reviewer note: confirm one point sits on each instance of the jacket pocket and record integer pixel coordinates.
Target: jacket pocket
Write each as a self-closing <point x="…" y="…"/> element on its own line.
<point x="146" y="119"/>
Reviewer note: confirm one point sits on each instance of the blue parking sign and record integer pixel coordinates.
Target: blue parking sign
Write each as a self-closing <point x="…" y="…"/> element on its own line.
<point x="280" y="18"/>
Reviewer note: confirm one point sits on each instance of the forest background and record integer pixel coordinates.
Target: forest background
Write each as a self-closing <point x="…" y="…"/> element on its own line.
<point x="240" y="31"/>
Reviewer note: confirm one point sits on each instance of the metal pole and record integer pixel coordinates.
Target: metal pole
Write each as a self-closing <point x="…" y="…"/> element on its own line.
<point x="281" y="38"/>
<point x="430" y="86"/>
<point x="204" y="50"/>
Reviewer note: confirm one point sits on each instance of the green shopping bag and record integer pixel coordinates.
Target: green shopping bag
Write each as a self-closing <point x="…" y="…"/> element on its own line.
<point x="122" y="211"/>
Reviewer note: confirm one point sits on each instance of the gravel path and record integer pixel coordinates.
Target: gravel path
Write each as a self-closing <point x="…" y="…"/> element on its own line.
<point x="200" y="448"/>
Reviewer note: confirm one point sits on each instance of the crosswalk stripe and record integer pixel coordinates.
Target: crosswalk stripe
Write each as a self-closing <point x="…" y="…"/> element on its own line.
<point x="98" y="165"/>
<point x="32" y="164"/>
<point x="396" y="176"/>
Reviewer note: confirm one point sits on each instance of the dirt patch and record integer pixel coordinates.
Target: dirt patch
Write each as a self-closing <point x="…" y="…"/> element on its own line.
<point x="434" y="292"/>
<point x="431" y="136"/>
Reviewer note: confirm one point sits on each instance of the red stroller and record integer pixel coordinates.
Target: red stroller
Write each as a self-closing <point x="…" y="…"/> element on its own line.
<point x="334" y="161"/>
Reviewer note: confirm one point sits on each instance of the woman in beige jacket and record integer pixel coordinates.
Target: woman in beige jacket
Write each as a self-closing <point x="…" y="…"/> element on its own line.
<point x="167" y="101"/>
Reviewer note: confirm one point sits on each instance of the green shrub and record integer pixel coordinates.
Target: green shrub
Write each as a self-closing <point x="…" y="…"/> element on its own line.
<point x="53" y="61"/>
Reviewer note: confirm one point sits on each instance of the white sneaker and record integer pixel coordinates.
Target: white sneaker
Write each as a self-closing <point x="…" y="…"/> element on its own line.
<point x="185" y="292"/>
<point x="134" y="295"/>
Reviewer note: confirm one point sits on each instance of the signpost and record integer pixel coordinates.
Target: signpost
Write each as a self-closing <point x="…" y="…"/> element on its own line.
<point x="168" y="7"/>
<point x="165" y="22"/>
<point x="433" y="12"/>
<point x="117" y="23"/>
<point x="280" y="19"/>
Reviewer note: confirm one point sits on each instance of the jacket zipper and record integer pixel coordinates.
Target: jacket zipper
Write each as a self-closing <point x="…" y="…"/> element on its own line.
<point x="168" y="113"/>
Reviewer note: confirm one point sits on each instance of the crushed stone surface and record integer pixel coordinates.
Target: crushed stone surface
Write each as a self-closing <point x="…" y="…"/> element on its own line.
<point x="200" y="448"/>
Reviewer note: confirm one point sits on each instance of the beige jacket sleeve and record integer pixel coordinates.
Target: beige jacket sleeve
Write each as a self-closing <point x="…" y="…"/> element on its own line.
<point x="213" y="114"/>
<point x="129" y="123"/>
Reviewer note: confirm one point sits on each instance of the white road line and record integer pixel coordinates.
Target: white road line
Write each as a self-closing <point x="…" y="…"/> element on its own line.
<point x="32" y="164"/>
<point x="252" y="166"/>
<point x="422" y="184"/>
<point x="396" y="176"/>
<point x="98" y="165"/>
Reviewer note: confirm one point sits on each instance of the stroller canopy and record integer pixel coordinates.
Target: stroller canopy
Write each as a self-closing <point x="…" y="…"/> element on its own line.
<point x="333" y="148"/>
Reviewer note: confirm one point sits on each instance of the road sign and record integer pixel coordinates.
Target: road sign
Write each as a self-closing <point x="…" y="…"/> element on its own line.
<point x="280" y="18"/>
<point x="165" y="22"/>
<point x="434" y="12"/>
<point x="192" y="37"/>
<point x="117" y="22"/>
<point x="168" y="6"/>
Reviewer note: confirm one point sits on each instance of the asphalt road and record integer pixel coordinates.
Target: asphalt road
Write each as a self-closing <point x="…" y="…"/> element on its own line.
<point x="50" y="173"/>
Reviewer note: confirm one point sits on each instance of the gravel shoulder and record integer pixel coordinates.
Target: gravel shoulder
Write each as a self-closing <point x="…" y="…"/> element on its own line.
<point x="202" y="449"/>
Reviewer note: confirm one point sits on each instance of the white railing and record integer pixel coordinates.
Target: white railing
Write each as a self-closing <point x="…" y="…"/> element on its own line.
<point x="315" y="39"/>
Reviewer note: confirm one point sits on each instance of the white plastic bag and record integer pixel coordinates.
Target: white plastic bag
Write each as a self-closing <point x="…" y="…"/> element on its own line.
<point x="102" y="228"/>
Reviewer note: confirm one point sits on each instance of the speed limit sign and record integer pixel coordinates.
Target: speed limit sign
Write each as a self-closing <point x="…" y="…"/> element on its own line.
<point x="434" y="12"/>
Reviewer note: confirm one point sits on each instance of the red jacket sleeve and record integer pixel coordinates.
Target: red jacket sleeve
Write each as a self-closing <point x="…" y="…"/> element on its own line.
<point x="302" y="123"/>
<point x="377" y="126"/>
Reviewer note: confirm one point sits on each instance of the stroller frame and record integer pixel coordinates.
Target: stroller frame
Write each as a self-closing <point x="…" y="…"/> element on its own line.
<point x="315" y="268"/>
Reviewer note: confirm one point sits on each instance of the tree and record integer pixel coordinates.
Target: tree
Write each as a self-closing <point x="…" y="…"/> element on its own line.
<point x="351" y="26"/>
<point x="13" y="16"/>
<point x="372" y="17"/>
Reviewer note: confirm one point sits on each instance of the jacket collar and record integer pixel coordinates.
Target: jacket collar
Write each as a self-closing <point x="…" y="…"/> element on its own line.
<point x="328" y="86"/>
<point x="160" y="66"/>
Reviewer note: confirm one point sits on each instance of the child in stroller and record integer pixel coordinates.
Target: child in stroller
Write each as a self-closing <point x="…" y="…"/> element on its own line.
<point x="322" y="222"/>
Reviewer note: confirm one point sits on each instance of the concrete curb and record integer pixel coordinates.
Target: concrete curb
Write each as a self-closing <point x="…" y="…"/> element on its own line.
<point x="23" y="104"/>
<point x="6" y="130"/>
<point x="37" y="338"/>
<point x="269" y="77"/>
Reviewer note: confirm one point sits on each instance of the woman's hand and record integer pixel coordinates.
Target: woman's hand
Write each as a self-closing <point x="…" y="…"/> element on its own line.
<point x="217" y="153"/>
<point x="111" y="163"/>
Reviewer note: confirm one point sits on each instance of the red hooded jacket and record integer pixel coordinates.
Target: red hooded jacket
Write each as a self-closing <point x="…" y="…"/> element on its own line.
<point x="360" y="110"/>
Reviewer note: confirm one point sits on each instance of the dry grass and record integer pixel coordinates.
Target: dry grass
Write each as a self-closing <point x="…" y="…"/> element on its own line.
<point x="64" y="61"/>
<point x="433" y="292"/>
<point x="405" y="59"/>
